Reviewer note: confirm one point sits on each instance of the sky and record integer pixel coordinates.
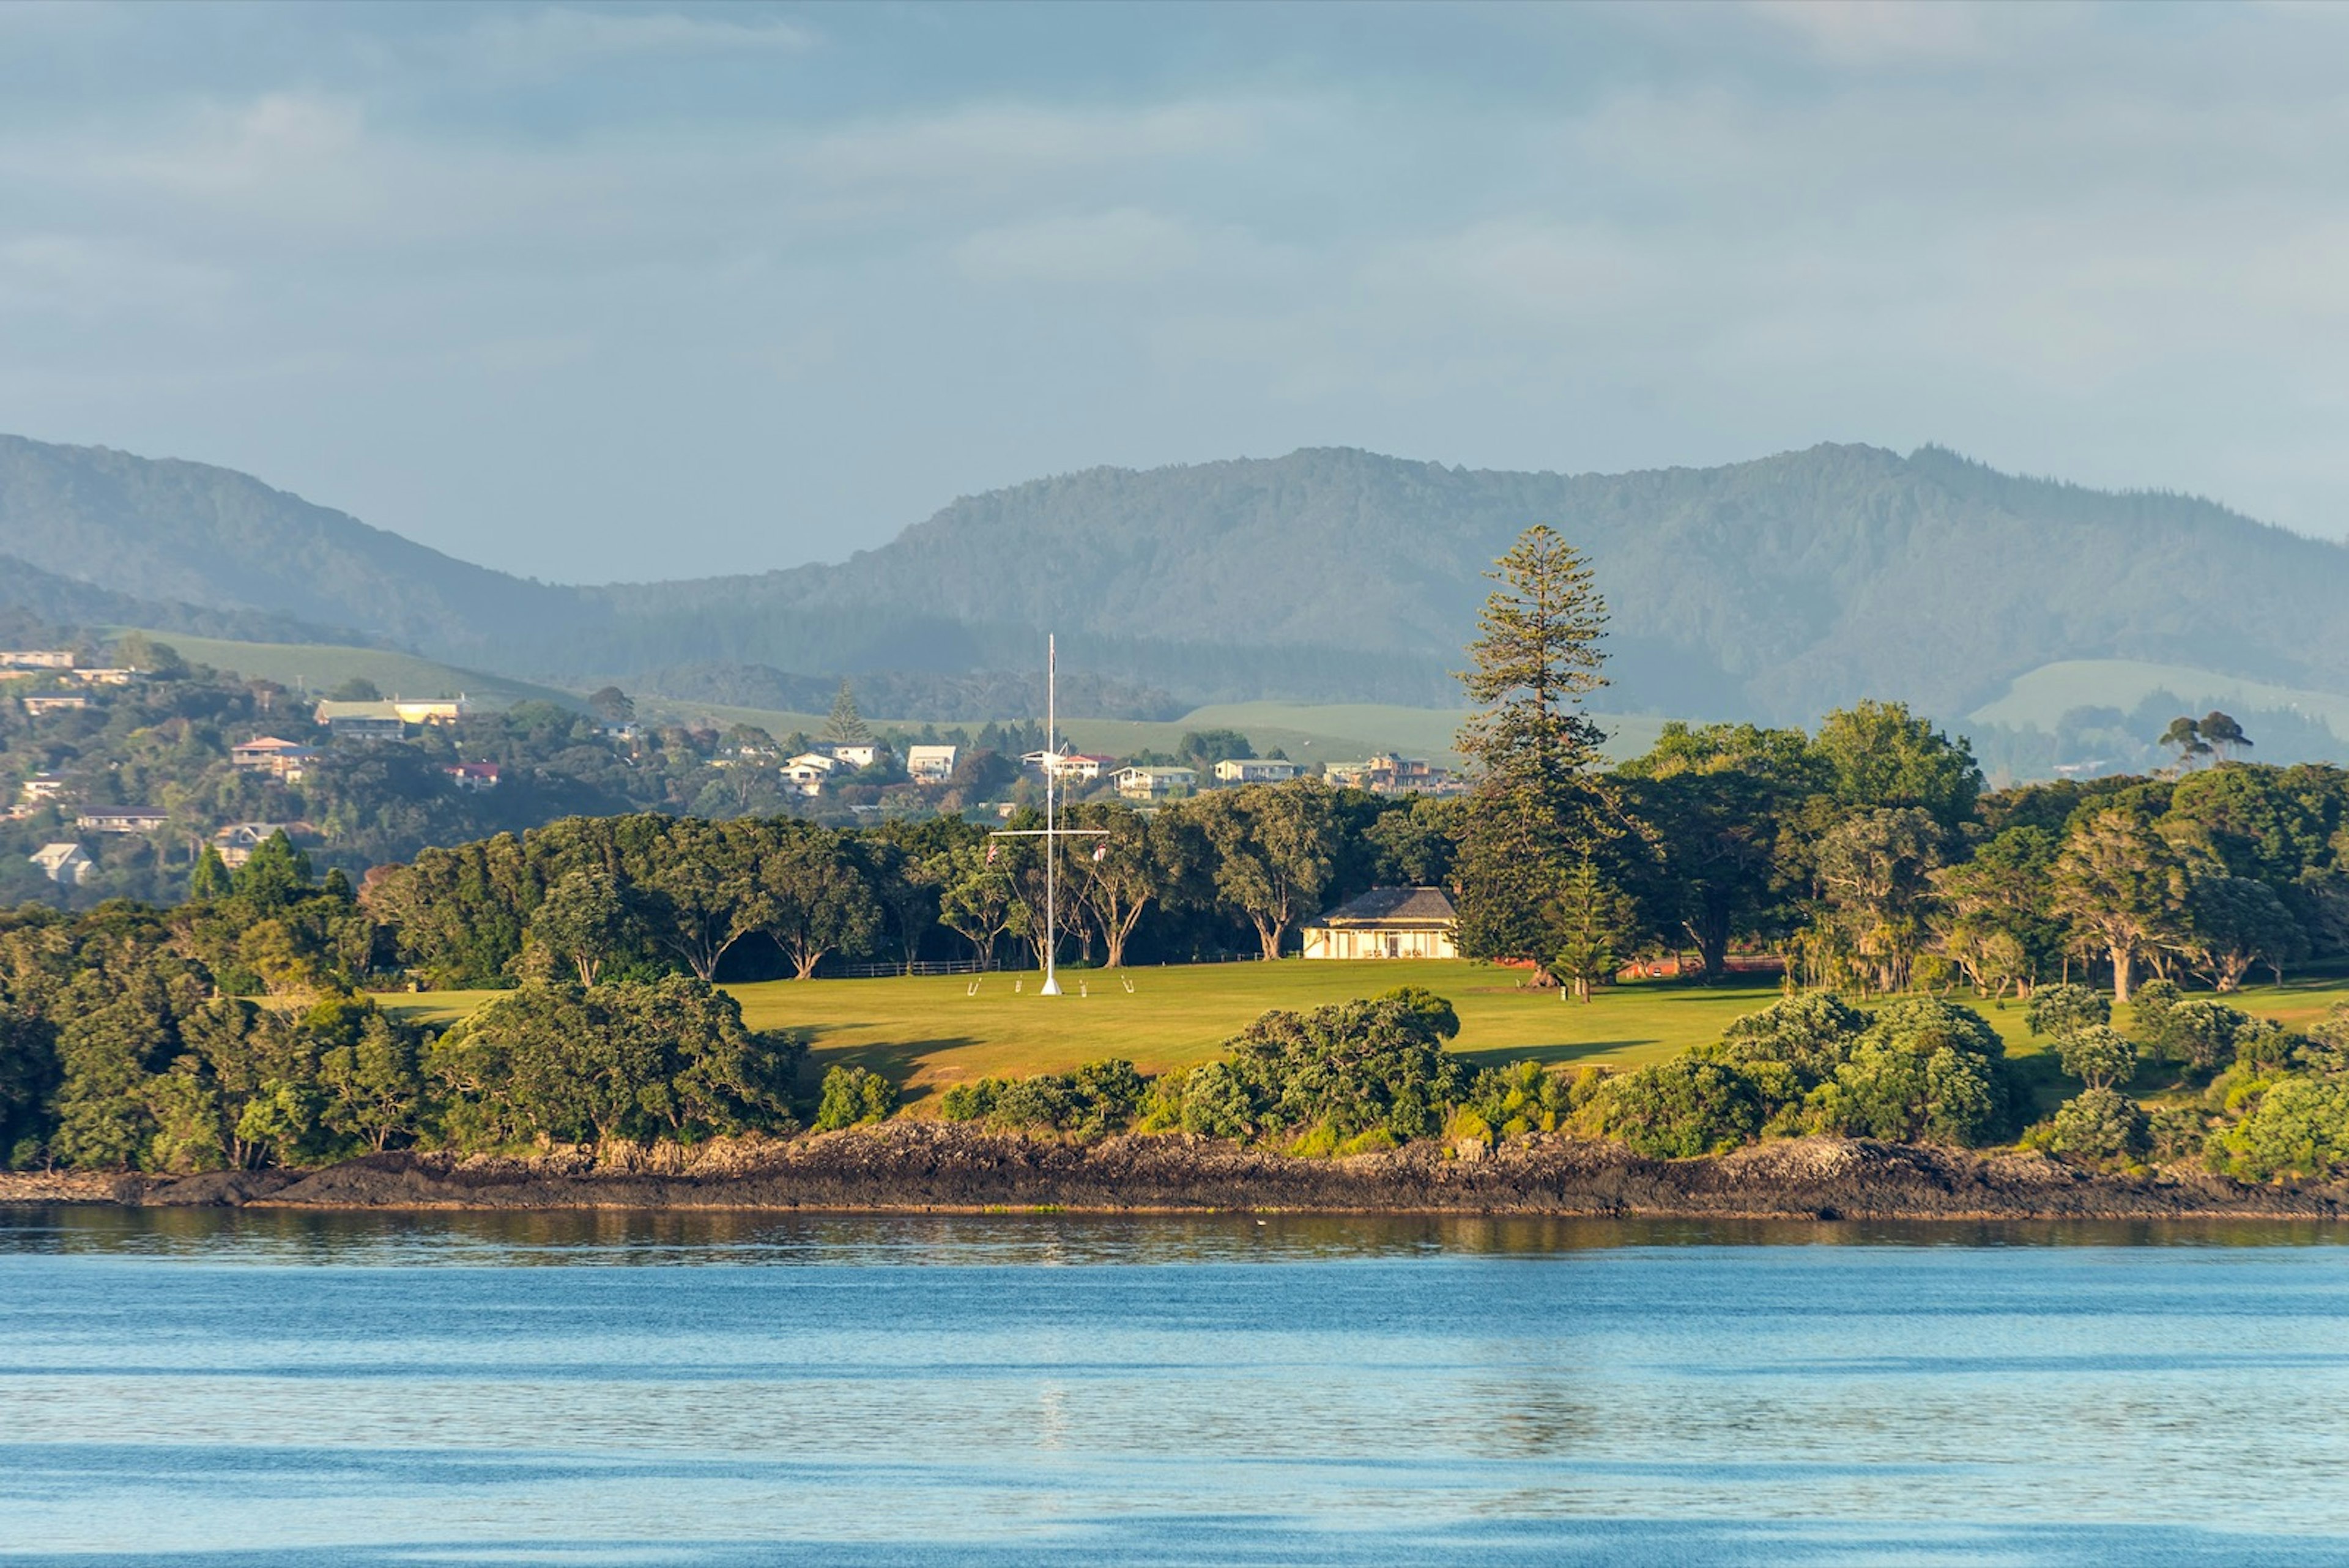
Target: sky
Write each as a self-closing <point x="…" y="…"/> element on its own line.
<point x="633" y="291"/>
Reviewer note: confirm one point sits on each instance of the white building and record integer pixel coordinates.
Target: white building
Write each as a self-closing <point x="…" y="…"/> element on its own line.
<point x="810" y="771"/>
<point x="1154" y="784"/>
<point x="862" y="754"/>
<point x="122" y="819"/>
<point x="1385" y="923"/>
<point x="237" y="841"/>
<point x="931" y="764"/>
<point x="37" y="659"/>
<point x="43" y="787"/>
<point x="65" y="864"/>
<point x="1254" y="770"/>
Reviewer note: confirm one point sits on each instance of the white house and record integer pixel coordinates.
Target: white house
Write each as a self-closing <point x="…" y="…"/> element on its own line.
<point x="931" y="764"/>
<point x="37" y="659"/>
<point x="1254" y="770"/>
<point x="1386" y="923"/>
<point x="1152" y="784"/>
<point x="106" y="677"/>
<point x="122" y="819"/>
<point x="37" y="706"/>
<point x="430" y="709"/>
<point x="862" y="754"/>
<point x="810" y="771"/>
<point x="268" y="754"/>
<point x="43" y="787"/>
<point x="471" y="775"/>
<point x="65" y="864"/>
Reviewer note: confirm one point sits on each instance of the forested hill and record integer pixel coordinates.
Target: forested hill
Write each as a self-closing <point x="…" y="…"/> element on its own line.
<point x="1774" y="589"/>
<point x="190" y="534"/>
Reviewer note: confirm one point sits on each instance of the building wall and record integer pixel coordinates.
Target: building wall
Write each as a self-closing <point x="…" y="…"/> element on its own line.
<point x="1422" y="942"/>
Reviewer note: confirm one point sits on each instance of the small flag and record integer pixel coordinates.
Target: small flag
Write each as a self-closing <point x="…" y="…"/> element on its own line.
<point x="990" y="855"/>
<point x="1100" y="851"/>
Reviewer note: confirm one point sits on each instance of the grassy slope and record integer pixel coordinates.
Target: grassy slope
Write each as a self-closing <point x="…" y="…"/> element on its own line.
<point x="2044" y="696"/>
<point x="930" y="1033"/>
<point x="321" y="667"/>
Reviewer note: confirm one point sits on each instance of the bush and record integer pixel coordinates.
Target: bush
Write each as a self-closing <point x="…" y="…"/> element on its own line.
<point x="2099" y="1127"/>
<point x="853" y="1096"/>
<point x="1926" y="1070"/>
<point x="1350" y="1067"/>
<point x="2059" y="1010"/>
<point x="2097" y="1055"/>
<point x="2299" y="1128"/>
<point x="1680" y="1108"/>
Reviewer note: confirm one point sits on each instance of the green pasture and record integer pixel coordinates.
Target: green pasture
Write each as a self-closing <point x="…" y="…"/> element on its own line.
<point x="2042" y="697"/>
<point x="929" y="1032"/>
<point x="322" y="667"/>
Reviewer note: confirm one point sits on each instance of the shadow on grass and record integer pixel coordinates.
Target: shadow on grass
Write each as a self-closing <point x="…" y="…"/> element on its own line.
<point x="1547" y="1056"/>
<point x="895" y="1060"/>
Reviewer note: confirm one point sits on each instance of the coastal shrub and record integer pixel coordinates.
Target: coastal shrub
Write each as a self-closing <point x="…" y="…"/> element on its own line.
<point x="2198" y="1035"/>
<point x="1924" y="1070"/>
<point x="1371" y="1142"/>
<point x="1098" y="1098"/>
<point x="1520" y="1097"/>
<point x="2098" y="1055"/>
<point x="2098" y="1126"/>
<point x="853" y="1096"/>
<point x="1680" y="1108"/>
<point x="2300" y="1127"/>
<point x="2056" y="1011"/>
<point x="1350" y="1066"/>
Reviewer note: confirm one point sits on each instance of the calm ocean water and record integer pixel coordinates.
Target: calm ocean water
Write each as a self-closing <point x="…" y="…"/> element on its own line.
<point x="276" y="1388"/>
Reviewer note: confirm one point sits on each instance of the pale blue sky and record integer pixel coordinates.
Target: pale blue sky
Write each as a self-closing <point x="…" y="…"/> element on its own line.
<point x="595" y="292"/>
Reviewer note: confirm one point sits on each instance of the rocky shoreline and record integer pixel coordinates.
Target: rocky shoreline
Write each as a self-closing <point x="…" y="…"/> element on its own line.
<point x="934" y="1167"/>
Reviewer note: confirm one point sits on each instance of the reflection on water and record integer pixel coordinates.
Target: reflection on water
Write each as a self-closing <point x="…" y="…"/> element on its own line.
<point x="190" y="1387"/>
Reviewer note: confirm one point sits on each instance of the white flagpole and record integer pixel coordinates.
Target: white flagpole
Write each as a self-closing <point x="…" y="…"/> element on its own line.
<point x="1052" y="986"/>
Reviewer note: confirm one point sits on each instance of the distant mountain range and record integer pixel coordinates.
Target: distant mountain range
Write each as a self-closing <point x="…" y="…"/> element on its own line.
<point x="1773" y="589"/>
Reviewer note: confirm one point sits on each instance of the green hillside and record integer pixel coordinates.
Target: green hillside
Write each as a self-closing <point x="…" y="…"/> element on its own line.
<point x="322" y="667"/>
<point x="2043" y="697"/>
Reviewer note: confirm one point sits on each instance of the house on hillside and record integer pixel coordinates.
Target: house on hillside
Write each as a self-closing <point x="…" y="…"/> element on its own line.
<point x="37" y="659"/>
<point x="66" y="865"/>
<point x="1386" y="923"/>
<point x="1254" y="770"/>
<point x="237" y="841"/>
<point x="931" y="764"/>
<point x="122" y="819"/>
<point x="43" y="787"/>
<point x="471" y="775"/>
<point x="37" y="706"/>
<point x="1388" y="774"/>
<point x="361" y="721"/>
<point x="858" y="754"/>
<point x="810" y="771"/>
<point x="280" y="759"/>
<point x="106" y="677"/>
<point x="1156" y="784"/>
<point x="430" y="709"/>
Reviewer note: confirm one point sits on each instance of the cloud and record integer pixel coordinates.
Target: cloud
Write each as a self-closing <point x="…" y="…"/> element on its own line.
<point x="550" y="41"/>
<point x="1127" y="245"/>
<point x="1875" y="32"/>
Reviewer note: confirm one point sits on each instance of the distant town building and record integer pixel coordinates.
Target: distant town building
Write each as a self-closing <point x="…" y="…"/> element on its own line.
<point x="472" y="775"/>
<point x="1391" y="774"/>
<point x="1254" y="770"/>
<point x="857" y="755"/>
<point x="122" y="819"/>
<point x="37" y="659"/>
<point x="430" y="709"/>
<point x="37" y="706"/>
<point x="237" y="841"/>
<point x="930" y="764"/>
<point x="43" y="787"/>
<point x="280" y="759"/>
<point x="361" y="721"/>
<point x="810" y="771"/>
<point x="106" y="677"/>
<point x="66" y="865"/>
<point x="1156" y="784"/>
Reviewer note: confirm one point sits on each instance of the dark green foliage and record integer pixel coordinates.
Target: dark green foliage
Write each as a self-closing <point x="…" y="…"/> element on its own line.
<point x="2059" y="1010"/>
<point x="2101" y="1126"/>
<point x="1097" y="1099"/>
<point x="1684" y="1107"/>
<point x="2098" y="1055"/>
<point x="851" y="1096"/>
<point x="2300" y="1127"/>
<point x="1345" y="1068"/>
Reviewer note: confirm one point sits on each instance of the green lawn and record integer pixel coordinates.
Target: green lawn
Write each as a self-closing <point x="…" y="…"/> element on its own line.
<point x="930" y="1033"/>
<point x="322" y="667"/>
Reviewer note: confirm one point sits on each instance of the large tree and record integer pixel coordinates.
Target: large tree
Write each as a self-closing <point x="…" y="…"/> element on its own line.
<point x="1879" y="754"/>
<point x="1535" y="660"/>
<point x="2121" y="885"/>
<point x="818" y="899"/>
<point x="1275" y="847"/>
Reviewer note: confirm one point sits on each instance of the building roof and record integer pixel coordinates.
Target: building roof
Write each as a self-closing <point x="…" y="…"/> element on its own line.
<point x="268" y="743"/>
<point x="1412" y="907"/>
<point x="52" y="855"/>
<point x="330" y="711"/>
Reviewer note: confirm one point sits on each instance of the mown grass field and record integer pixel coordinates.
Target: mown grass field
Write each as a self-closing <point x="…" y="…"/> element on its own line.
<point x="931" y="1032"/>
<point x="322" y="667"/>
